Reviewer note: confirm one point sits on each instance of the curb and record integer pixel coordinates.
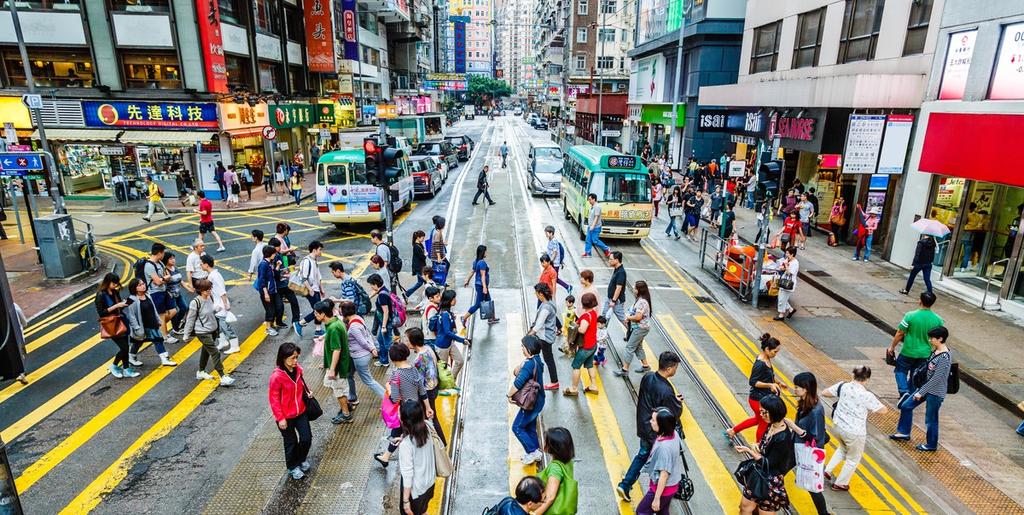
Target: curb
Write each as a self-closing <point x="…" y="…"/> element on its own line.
<point x="966" y="374"/>
<point x="179" y="210"/>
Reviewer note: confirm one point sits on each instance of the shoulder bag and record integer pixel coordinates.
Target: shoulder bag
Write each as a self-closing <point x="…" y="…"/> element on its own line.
<point x="786" y="282"/>
<point x="313" y="409"/>
<point x="389" y="410"/>
<point x="567" y="498"/>
<point x="112" y="326"/>
<point x="749" y="474"/>
<point x="526" y="397"/>
<point x="443" y="466"/>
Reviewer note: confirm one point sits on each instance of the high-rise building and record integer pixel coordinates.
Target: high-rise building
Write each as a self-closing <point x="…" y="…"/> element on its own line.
<point x="516" y="58"/>
<point x="551" y="22"/>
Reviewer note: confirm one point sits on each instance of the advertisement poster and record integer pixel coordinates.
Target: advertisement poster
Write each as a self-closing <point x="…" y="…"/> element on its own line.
<point x="319" y="39"/>
<point x="894" y="147"/>
<point x="460" y="47"/>
<point x="1008" y="78"/>
<point x="737" y="168"/>
<point x="349" y="28"/>
<point x="208" y="16"/>
<point x="958" y="62"/>
<point x="863" y="142"/>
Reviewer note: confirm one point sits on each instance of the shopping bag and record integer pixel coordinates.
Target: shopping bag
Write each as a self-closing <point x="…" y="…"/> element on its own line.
<point x="318" y="346"/>
<point x="486" y="310"/>
<point x="810" y="466"/>
<point x="445" y="379"/>
<point x="443" y="466"/>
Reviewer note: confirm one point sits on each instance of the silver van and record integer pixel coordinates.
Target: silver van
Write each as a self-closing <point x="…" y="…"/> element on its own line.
<point x="545" y="169"/>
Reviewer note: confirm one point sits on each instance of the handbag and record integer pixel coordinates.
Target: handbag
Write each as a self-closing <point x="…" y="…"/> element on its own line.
<point x="443" y="466"/>
<point x="675" y="211"/>
<point x="487" y="310"/>
<point x="786" y="282"/>
<point x="318" y="346"/>
<point x="295" y="285"/>
<point x="526" y="397"/>
<point x="685" y="490"/>
<point x="567" y="498"/>
<point x="748" y="474"/>
<point x="112" y="326"/>
<point x="445" y="379"/>
<point x="230" y="317"/>
<point x="389" y="410"/>
<point x="810" y="466"/>
<point x="313" y="409"/>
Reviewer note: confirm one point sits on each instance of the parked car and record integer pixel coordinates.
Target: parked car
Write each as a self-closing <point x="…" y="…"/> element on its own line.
<point x="442" y="149"/>
<point x="532" y="119"/>
<point x="463" y="145"/>
<point x="542" y="123"/>
<point x="518" y="111"/>
<point x="545" y="169"/>
<point x="426" y="176"/>
<point x="441" y="166"/>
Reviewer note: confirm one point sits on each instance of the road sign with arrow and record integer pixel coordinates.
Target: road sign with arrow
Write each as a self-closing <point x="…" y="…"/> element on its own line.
<point x="19" y="163"/>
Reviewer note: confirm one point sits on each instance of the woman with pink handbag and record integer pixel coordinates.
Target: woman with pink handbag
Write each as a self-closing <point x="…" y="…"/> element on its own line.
<point x="406" y="383"/>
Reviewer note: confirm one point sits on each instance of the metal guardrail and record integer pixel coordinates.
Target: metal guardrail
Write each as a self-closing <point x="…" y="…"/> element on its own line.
<point x="743" y="270"/>
<point x="988" y="282"/>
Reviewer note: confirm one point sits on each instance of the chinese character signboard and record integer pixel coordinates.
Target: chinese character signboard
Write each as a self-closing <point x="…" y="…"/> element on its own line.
<point x="349" y="28"/>
<point x="325" y="113"/>
<point x="319" y="39"/>
<point x="208" y="14"/>
<point x="863" y="141"/>
<point x="165" y="115"/>
<point x="460" y="47"/>
<point x="445" y="82"/>
<point x="285" y="116"/>
<point x="958" y="62"/>
<point x="1008" y="78"/>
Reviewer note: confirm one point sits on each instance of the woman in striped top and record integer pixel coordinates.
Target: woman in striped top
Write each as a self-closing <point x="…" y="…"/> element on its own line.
<point x="931" y="393"/>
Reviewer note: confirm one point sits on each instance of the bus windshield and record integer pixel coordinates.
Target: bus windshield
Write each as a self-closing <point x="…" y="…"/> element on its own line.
<point x="335" y="174"/>
<point x="626" y="188"/>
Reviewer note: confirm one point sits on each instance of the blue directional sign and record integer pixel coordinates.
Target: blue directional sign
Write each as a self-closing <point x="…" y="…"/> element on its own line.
<point x="16" y="163"/>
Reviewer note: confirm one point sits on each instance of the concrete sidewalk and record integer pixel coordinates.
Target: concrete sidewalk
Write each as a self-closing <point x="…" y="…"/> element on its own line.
<point x="986" y="343"/>
<point x="260" y="200"/>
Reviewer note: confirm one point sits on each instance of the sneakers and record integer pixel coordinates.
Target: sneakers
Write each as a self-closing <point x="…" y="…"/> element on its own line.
<point x="532" y="457"/>
<point x="607" y="253"/>
<point x="552" y="386"/>
<point x="623" y="493"/>
<point x="130" y="372"/>
<point x="341" y="418"/>
<point x="304" y="466"/>
<point x="226" y="380"/>
<point x="271" y="332"/>
<point x="642" y="370"/>
<point x="379" y="364"/>
<point x="297" y="327"/>
<point x="840" y="488"/>
<point x="585" y="254"/>
<point x="297" y="473"/>
<point x="146" y="219"/>
<point x="166" y="361"/>
<point x="116" y="371"/>
<point x="221" y="249"/>
<point x="202" y="375"/>
<point x="621" y="373"/>
<point x="171" y="340"/>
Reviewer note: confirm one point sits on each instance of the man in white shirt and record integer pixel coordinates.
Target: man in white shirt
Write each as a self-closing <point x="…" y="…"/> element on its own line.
<point x="257" y="251"/>
<point x="193" y="270"/>
<point x="221" y="303"/>
<point x="309" y="274"/>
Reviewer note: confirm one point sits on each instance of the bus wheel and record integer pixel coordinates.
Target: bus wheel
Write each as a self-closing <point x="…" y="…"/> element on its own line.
<point x="340" y="226"/>
<point x="583" y="233"/>
<point x="565" y="210"/>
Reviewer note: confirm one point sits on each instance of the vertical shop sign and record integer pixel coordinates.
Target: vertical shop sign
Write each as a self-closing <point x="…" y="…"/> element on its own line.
<point x="460" y="47"/>
<point x="863" y="141"/>
<point x="319" y="44"/>
<point x="958" y="63"/>
<point x="349" y="28"/>
<point x="894" y="146"/>
<point x="208" y="14"/>
<point x="1008" y="78"/>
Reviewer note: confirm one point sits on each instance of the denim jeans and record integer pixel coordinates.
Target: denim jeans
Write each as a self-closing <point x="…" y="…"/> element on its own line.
<point x="633" y="473"/>
<point x="525" y="428"/>
<point x="225" y="327"/>
<point x="384" y="339"/>
<point x="904" y="367"/>
<point x="750" y="199"/>
<point x="672" y="229"/>
<point x="967" y="247"/>
<point x="866" y="247"/>
<point x="480" y="297"/>
<point x="419" y="282"/>
<point x="926" y="272"/>
<point x="152" y="335"/>
<point x="362" y="368"/>
<point x="1020" y="429"/>
<point x="931" y="418"/>
<point x="594" y="240"/>
<point x="298" y="196"/>
<point x="313" y="299"/>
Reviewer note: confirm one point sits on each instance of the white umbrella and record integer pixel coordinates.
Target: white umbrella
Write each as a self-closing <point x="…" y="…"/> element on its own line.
<point x="931" y="227"/>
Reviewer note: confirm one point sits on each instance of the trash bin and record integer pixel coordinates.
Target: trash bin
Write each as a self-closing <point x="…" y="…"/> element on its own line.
<point x="58" y="246"/>
<point x="736" y="270"/>
<point x="9" y="503"/>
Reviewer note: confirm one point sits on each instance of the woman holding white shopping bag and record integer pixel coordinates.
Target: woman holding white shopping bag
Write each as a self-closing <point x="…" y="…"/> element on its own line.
<point x="812" y="436"/>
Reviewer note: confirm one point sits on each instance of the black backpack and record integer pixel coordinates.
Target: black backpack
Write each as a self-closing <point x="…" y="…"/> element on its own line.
<point x="395" y="263"/>
<point x="139" y="269"/>
<point x="497" y="509"/>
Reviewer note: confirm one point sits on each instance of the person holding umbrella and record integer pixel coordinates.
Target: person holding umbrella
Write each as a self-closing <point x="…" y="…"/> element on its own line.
<point x="924" y="254"/>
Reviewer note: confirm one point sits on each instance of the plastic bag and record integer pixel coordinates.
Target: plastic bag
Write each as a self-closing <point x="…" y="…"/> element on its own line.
<point x="810" y="466"/>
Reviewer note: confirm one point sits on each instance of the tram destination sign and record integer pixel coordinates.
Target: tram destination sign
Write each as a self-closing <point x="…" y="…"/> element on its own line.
<point x="625" y="162"/>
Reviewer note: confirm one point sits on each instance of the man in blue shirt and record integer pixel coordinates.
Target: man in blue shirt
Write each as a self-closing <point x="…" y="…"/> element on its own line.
<point x="266" y="285"/>
<point x="504" y="153"/>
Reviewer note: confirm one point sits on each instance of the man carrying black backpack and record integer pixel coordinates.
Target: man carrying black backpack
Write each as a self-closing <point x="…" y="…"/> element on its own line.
<point x="392" y="260"/>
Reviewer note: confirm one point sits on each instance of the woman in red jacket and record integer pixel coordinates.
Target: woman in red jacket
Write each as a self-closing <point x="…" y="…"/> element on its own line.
<point x="289" y="409"/>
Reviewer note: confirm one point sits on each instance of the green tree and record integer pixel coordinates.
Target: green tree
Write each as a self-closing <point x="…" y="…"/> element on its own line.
<point x="482" y="90"/>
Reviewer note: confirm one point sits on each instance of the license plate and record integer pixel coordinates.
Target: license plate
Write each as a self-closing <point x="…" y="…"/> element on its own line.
<point x="339" y="208"/>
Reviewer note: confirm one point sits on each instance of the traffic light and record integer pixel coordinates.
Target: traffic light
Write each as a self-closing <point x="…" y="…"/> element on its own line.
<point x="389" y="163"/>
<point x="372" y="151"/>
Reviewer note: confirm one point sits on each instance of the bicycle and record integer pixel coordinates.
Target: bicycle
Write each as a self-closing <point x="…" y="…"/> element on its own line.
<point x="87" y="250"/>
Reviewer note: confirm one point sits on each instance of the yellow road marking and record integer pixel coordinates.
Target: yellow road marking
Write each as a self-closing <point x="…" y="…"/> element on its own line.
<point x="87" y="431"/>
<point x="53" y="334"/>
<point x="516" y="470"/>
<point x="728" y="337"/>
<point x="446" y="415"/>
<point x="49" y="367"/>
<point x="107" y="480"/>
<point x="45" y="322"/>
<point x="617" y="457"/>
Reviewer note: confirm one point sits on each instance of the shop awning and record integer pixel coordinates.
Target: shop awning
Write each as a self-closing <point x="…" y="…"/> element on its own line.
<point x="958" y="144"/>
<point x="78" y="134"/>
<point x="166" y="137"/>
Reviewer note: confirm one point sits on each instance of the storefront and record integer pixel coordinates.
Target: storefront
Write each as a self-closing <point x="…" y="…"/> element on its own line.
<point x="745" y="128"/>
<point x="292" y="122"/>
<point x="981" y="205"/>
<point x="242" y="142"/>
<point x="650" y="123"/>
<point x="132" y="139"/>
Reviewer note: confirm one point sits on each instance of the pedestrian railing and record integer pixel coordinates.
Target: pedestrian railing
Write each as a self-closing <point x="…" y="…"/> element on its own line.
<point x="989" y="275"/>
<point x="734" y="269"/>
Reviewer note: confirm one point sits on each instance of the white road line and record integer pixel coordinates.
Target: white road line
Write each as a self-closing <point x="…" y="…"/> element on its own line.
<point x="453" y="205"/>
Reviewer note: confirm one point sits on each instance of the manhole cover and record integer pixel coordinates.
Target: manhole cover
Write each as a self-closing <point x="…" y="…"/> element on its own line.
<point x="819" y="273"/>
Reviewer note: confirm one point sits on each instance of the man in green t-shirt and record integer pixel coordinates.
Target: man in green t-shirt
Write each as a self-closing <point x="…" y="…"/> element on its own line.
<point x="913" y="332"/>
<point x="337" y="360"/>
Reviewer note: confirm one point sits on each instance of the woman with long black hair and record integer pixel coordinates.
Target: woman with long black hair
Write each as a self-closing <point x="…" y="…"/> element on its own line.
<point x="416" y="460"/>
<point x="109" y="304"/>
<point x="481" y="277"/>
<point x="810" y="423"/>
<point x="762" y="382"/>
<point x="419" y="260"/>
<point x="448" y="333"/>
